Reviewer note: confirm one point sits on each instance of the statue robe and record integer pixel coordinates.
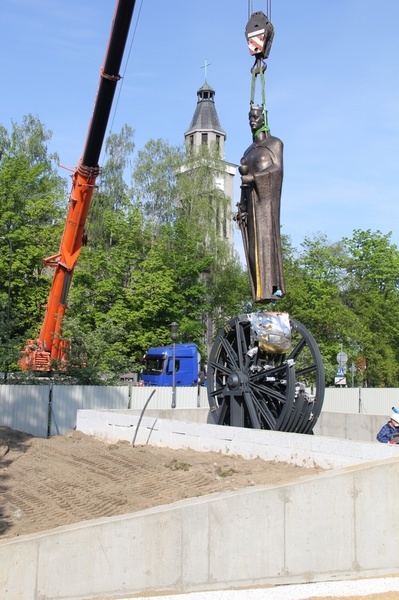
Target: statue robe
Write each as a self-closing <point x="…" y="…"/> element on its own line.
<point x="259" y="217"/>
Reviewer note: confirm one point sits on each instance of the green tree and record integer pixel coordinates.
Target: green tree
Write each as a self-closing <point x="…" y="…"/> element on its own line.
<point x="371" y="291"/>
<point x="314" y="278"/>
<point x="32" y="196"/>
<point x="99" y="298"/>
<point x="346" y="294"/>
<point x="148" y="265"/>
<point x="111" y="201"/>
<point x="154" y="178"/>
<point x="202" y="204"/>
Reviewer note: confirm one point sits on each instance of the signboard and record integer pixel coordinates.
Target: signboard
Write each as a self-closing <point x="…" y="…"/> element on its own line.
<point x="340" y="380"/>
<point x="342" y="358"/>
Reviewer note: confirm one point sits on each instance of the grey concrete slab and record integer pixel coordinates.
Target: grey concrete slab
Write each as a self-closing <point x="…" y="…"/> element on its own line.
<point x="303" y="450"/>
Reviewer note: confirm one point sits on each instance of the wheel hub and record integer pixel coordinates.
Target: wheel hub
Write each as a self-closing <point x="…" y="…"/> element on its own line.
<point x="237" y="380"/>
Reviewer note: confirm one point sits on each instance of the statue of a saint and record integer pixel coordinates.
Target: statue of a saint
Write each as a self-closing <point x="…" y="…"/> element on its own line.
<point x="259" y="209"/>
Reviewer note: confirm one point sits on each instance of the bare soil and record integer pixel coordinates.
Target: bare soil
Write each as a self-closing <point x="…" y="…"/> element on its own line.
<point x="47" y="483"/>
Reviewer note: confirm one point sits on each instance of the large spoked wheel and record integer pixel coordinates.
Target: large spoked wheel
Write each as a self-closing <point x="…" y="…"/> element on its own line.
<point x="250" y="387"/>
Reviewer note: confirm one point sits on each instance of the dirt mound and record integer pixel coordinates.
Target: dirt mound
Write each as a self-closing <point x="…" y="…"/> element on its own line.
<point x="45" y="483"/>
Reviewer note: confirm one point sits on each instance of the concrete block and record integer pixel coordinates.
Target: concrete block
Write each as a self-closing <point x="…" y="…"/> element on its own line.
<point x="195" y="544"/>
<point x="376" y="493"/>
<point x="252" y="548"/>
<point x="115" y="555"/>
<point x="317" y="526"/>
<point x="18" y="569"/>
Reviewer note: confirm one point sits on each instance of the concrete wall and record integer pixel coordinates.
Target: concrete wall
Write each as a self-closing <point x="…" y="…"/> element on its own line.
<point x="357" y="427"/>
<point x="325" y="527"/>
<point x="349" y="426"/>
<point x="304" y="450"/>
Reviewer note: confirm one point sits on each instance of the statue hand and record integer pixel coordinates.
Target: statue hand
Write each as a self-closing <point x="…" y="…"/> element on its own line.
<point x="241" y="218"/>
<point x="245" y="179"/>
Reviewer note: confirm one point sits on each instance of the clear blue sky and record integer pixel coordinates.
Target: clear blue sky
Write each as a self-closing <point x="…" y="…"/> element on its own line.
<point x="332" y="91"/>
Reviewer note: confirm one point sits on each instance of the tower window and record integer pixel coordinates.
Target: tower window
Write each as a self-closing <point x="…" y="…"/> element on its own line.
<point x="218" y="141"/>
<point x="204" y="138"/>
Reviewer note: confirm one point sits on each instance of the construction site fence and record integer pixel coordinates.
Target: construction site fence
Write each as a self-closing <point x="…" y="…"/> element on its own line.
<point x="47" y="410"/>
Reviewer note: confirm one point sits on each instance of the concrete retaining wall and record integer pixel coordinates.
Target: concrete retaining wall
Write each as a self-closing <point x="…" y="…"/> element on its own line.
<point x="330" y="526"/>
<point x="340" y="524"/>
<point x="359" y="427"/>
<point x="303" y="450"/>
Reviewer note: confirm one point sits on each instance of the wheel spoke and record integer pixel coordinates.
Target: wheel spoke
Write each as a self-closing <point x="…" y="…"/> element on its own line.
<point x="231" y="354"/>
<point x="265" y="412"/>
<point x="269" y="391"/>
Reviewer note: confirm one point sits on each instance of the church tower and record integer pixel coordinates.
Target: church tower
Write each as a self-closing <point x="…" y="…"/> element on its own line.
<point x="205" y="129"/>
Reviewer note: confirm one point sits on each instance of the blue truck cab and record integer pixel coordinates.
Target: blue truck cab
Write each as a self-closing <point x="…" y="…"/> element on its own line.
<point x="158" y="365"/>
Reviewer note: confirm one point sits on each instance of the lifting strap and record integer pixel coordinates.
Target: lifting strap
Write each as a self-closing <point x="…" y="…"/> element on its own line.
<point x="261" y="72"/>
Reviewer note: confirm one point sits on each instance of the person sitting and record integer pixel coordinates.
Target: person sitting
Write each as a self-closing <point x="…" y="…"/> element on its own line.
<point x="385" y="435"/>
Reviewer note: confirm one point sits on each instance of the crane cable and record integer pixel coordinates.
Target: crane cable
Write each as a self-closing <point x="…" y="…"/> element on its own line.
<point x="123" y="74"/>
<point x="268" y="8"/>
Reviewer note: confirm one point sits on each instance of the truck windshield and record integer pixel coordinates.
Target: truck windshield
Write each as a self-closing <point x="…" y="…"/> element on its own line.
<point x="153" y="365"/>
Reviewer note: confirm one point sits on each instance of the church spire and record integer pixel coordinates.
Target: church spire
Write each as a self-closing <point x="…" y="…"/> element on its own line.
<point x="205" y="126"/>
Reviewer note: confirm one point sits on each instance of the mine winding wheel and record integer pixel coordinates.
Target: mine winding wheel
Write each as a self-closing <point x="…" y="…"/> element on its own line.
<point x="257" y="383"/>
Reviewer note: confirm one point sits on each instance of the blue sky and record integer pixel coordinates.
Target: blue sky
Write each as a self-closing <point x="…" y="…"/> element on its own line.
<point x="332" y="91"/>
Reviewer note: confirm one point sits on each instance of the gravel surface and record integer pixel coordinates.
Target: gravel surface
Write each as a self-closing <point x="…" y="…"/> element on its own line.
<point x="386" y="588"/>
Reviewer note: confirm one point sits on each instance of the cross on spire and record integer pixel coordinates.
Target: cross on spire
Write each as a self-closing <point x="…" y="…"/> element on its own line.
<point x="205" y="66"/>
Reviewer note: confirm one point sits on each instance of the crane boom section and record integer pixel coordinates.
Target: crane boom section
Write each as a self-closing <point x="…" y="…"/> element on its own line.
<point x="39" y="354"/>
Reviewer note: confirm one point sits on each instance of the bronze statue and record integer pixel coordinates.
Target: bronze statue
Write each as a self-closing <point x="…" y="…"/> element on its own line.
<point x="259" y="209"/>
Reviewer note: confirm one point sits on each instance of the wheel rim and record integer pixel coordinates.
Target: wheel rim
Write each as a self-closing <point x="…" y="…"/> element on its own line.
<point x="264" y="390"/>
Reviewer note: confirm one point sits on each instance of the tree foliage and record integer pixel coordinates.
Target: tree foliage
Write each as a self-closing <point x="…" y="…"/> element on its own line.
<point x="31" y="199"/>
<point x="148" y="256"/>
<point x="347" y="294"/>
<point x="157" y="252"/>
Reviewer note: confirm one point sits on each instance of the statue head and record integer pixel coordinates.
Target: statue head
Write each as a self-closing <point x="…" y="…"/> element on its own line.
<point x="258" y="119"/>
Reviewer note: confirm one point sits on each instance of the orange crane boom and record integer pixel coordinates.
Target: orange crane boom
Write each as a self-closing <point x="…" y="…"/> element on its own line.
<point x="49" y="348"/>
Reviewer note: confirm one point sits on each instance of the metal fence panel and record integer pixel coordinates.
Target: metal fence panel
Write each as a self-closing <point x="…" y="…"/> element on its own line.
<point x="25" y="408"/>
<point x="186" y="397"/>
<point x="67" y="399"/>
<point x="341" y="400"/>
<point x="204" y="397"/>
<point x="378" y="401"/>
<point x="370" y="401"/>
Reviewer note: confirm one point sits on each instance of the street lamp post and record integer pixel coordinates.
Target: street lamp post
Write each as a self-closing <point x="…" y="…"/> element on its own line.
<point x="8" y="307"/>
<point x="173" y="334"/>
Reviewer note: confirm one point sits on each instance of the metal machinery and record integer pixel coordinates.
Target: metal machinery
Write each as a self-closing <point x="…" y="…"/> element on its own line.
<point x="49" y="349"/>
<point x="265" y="370"/>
